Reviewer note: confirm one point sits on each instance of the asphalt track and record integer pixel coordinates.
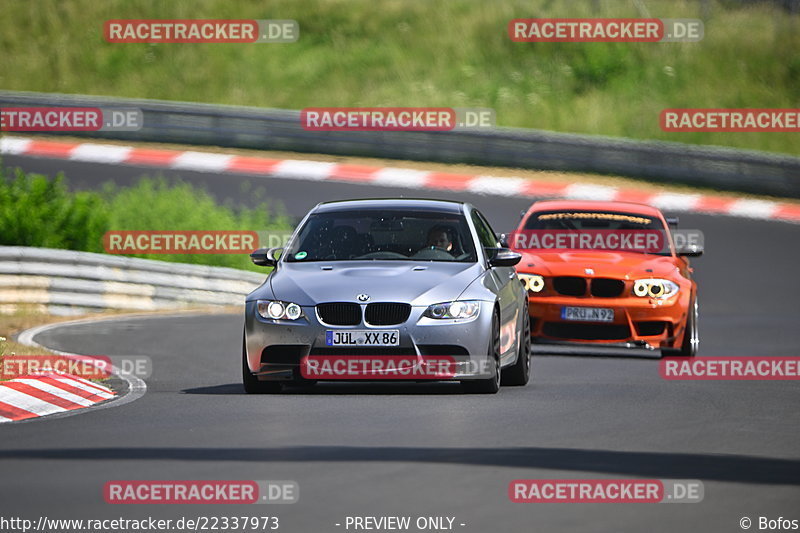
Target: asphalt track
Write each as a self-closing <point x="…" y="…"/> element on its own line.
<point x="412" y="450"/>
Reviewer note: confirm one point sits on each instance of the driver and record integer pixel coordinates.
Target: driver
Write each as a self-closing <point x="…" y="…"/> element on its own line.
<point x="439" y="238"/>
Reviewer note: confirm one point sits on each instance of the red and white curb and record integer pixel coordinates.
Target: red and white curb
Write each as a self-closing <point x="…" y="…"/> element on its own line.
<point x="397" y="177"/>
<point x="46" y="394"/>
<point x="51" y="393"/>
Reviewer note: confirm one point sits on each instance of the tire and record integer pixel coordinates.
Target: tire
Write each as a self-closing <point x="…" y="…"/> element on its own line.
<point x="489" y="385"/>
<point x="691" y="338"/>
<point x="251" y="383"/>
<point x="520" y="373"/>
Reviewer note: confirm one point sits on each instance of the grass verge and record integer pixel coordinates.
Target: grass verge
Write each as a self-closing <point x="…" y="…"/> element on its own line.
<point x="455" y="53"/>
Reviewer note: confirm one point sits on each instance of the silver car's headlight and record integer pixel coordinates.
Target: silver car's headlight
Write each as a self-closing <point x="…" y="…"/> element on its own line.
<point x="278" y="310"/>
<point x="532" y="282"/>
<point x="655" y="288"/>
<point x="457" y="309"/>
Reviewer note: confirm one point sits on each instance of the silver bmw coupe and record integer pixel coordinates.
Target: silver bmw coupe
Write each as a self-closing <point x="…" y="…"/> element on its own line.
<point x="388" y="289"/>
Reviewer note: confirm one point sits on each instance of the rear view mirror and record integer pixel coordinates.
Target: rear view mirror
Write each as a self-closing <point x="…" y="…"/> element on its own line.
<point x="387" y="225"/>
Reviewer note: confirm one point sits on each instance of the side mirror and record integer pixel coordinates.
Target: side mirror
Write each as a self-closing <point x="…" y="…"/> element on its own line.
<point x="688" y="242"/>
<point x="501" y="257"/>
<point x="691" y="251"/>
<point x="265" y="256"/>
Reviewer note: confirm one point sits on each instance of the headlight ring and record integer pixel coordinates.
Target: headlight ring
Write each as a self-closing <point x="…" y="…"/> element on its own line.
<point x="532" y="282"/>
<point x="278" y="310"/>
<point x="658" y="289"/>
<point x="459" y="309"/>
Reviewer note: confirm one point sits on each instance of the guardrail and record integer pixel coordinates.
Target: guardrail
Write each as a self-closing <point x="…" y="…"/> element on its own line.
<point x="65" y="281"/>
<point x="273" y="129"/>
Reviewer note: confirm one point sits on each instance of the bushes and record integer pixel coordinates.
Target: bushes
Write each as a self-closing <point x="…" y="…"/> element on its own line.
<point x="37" y="211"/>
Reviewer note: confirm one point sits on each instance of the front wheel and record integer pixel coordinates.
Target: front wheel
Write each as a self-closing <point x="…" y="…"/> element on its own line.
<point x="691" y="337"/>
<point x="490" y="385"/>
<point x="519" y="374"/>
<point x="251" y="383"/>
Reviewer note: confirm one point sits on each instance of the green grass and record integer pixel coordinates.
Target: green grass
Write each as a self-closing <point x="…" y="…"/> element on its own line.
<point x="38" y="211"/>
<point x="425" y="53"/>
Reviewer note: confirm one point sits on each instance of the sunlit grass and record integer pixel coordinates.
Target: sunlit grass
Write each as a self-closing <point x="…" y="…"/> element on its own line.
<point x="454" y="53"/>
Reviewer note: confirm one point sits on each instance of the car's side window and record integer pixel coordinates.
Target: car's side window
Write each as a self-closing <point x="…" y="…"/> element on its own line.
<point x="485" y="233"/>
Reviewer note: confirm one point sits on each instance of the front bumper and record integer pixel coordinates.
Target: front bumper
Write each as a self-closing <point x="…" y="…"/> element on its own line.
<point x="645" y="322"/>
<point x="276" y="349"/>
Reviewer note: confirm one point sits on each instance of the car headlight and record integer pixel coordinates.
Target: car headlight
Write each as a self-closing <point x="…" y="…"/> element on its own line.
<point x="278" y="310"/>
<point x="655" y="288"/>
<point x="532" y="282"/>
<point x="456" y="309"/>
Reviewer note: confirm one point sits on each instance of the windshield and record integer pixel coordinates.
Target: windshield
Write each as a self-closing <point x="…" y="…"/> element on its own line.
<point x="594" y="230"/>
<point x="372" y="234"/>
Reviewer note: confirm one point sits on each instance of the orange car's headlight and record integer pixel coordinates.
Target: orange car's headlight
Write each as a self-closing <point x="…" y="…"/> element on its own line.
<point x="659" y="289"/>
<point x="532" y="282"/>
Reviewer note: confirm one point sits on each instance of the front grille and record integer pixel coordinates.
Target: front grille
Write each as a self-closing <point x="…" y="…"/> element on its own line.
<point x="570" y="285"/>
<point x="598" y="287"/>
<point x="376" y="351"/>
<point x="340" y="313"/>
<point x="587" y="332"/>
<point x="607" y="288"/>
<point x="387" y="314"/>
<point x="650" y="328"/>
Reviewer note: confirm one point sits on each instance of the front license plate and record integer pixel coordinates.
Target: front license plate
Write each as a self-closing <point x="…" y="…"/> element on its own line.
<point x="362" y="337"/>
<point x="588" y="314"/>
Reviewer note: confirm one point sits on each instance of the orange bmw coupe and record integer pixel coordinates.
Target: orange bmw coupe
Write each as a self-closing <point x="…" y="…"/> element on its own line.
<point x="607" y="273"/>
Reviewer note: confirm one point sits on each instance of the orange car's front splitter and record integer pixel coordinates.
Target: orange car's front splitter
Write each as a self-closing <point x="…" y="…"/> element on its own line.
<point x="659" y="324"/>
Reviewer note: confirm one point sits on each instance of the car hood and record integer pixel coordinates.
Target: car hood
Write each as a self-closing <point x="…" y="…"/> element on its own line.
<point x="414" y="282"/>
<point x="619" y="265"/>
